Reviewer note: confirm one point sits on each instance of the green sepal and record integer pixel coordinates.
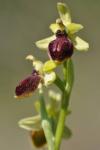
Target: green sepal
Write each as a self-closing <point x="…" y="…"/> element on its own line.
<point x="64" y="13"/>
<point x="49" y="66"/>
<point x="43" y="44"/>
<point x="74" y="27"/>
<point x="80" y="44"/>
<point x="30" y="123"/>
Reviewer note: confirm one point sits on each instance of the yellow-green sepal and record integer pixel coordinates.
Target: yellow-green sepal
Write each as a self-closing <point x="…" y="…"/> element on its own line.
<point x="30" y="123"/>
<point x="64" y="13"/>
<point x="43" y="44"/>
<point x="49" y="66"/>
<point x="74" y="28"/>
<point x="80" y="44"/>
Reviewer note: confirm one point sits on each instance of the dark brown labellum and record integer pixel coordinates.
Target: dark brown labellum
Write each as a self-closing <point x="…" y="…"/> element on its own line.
<point x="38" y="138"/>
<point x="60" y="48"/>
<point x="28" y="85"/>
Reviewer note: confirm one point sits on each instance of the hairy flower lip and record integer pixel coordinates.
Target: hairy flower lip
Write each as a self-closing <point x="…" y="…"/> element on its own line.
<point x="28" y="85"/>
<point x="61" y="48"/>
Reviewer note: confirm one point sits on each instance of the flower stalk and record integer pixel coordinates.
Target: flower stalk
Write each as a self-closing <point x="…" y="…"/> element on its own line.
<point x="49" y="126"/>
<point x="43" y="111"/>
<point x="46" y="122"/>
<point x="68" y="69"/>
<point x="61" y="124"/>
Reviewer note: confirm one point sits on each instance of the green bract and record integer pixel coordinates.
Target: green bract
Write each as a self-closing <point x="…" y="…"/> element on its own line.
<point x="67" y="25"/>
<point x="67" y="133"/>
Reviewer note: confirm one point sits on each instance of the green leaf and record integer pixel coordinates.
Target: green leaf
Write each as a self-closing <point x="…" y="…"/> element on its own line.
<point x="67" y="133"/>
<point x="64" y="13"/>
<point x="43" y="44"/>
<point x="31" y="123"/>
<point x="59" y="83"/>
<point x="49" y="66"/>
<point x="80" y="44"/>
<point x="73" y="28"/>
<point x="54" y="27"/>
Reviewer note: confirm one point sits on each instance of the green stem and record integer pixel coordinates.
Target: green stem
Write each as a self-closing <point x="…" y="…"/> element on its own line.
<point x="43" y="110"/>
<point x="69" y="75"/>
<point x="48" y="134"/>
<point x="61" y="122"/>
<point x="68" y="83"/>
<point x="65" y="71"/>
<point x="46" y="122"/>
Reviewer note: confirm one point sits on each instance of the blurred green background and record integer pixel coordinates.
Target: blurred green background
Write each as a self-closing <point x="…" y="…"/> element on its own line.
<point x="21" y="23"/>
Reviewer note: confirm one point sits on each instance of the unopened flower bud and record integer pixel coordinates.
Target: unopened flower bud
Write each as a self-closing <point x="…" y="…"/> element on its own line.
<point x="60" y="48"/>
<point x="27" y="86"/>
<point x="38" y="138"/>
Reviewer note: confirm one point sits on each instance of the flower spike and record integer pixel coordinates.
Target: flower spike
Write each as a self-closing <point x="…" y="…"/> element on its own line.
<point x="49" y="127"/>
